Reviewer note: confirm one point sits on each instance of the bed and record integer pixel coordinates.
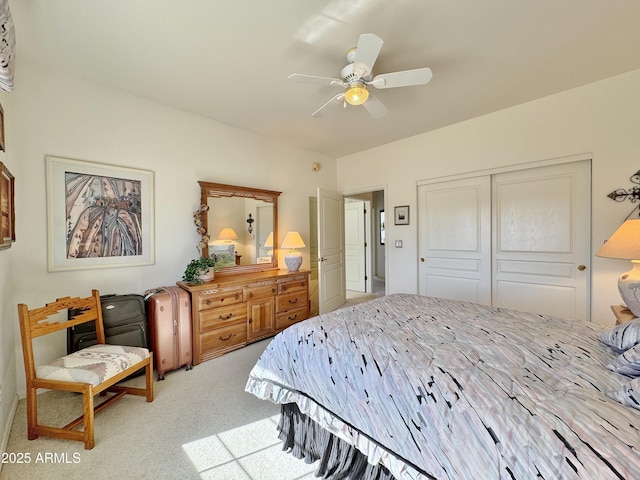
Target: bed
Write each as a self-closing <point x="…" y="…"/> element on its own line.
<point x="413" y="387"/>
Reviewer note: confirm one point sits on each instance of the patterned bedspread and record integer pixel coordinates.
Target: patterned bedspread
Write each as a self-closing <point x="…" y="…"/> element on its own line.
<point x="434" y="388"/>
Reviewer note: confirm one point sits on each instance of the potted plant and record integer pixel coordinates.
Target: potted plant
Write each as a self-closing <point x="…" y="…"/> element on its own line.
<point x="201" y="269"/>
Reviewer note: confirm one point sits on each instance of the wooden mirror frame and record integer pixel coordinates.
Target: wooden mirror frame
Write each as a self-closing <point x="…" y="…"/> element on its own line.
<point x="220" y="190"/>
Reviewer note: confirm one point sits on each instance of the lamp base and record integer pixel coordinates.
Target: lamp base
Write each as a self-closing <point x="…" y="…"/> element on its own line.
<point x="293" y="261"/>
<point x="629" y="288"/>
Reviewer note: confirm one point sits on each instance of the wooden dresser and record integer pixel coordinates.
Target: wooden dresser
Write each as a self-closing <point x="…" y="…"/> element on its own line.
<point x="232" y="311"/>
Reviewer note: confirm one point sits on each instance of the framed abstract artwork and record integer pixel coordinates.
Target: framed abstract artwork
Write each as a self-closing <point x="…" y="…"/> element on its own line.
<point x="98" y="215"/>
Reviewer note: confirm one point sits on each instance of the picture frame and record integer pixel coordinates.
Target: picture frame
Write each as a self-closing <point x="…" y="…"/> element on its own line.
<point x="98" y="215"/>
<point x="401" y="215"/>
<point x="382" y="232"/>
<point x="2" y="147"/>
<point x="7" y="208"/>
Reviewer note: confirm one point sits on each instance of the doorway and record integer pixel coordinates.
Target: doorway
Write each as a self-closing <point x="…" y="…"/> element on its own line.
<point x="364" y="245"/>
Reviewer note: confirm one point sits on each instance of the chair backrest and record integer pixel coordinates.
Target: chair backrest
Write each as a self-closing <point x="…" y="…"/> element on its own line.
<point x="37" y="322"/>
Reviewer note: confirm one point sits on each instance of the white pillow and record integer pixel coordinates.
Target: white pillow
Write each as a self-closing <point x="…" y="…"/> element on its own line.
<point x="628" y="394"/>
<point x="627" y="363"/>
<point x="623" y="336"/>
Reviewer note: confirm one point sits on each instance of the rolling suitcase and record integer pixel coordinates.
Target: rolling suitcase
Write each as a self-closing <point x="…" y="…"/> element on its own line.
<point x="169" y="319"/>
<point x="124" y="319"/>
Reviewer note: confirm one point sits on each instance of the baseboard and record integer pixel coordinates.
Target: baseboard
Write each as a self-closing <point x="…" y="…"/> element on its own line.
<point x="6" y="429"/>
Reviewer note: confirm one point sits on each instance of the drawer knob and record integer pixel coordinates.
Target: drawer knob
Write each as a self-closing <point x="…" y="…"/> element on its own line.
<point x="295" y="300"/>
<point x="237" y="296"/>
<point x="284" y="287"/>
<point x="273" y="290"/>
<point x="226" y="317"/>
<point x="293" y="317"/>
<point x="225" y="338"/>
<point x="207" y="301"/>
<point x="250" y="294"/>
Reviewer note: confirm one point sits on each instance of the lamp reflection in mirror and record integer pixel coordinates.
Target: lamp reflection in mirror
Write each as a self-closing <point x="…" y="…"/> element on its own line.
<point x="293" y="259"/>
<point x="268" y="243"/>
<point x="227" y="235"/>
<point x="625" y="243"/>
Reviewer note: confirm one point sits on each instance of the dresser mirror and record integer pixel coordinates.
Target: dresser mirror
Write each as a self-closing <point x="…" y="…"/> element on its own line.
<point x="239" y="225"/>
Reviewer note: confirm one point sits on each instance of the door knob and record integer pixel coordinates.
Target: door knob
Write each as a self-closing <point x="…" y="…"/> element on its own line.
<point x="422" y="259"/>
<point x="582" y="268"/>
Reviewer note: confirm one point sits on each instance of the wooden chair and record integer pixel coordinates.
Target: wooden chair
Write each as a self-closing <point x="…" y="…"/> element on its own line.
<point x="90" y="371"/>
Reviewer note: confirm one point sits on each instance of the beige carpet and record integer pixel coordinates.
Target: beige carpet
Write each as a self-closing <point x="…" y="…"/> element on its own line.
<point x="200" y="425"/>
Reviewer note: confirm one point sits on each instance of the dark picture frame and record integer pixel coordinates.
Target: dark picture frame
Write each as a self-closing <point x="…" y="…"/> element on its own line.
<point x="2" y="129"/>
<point x="7" y="209"/>
<point x="401" y="215"/>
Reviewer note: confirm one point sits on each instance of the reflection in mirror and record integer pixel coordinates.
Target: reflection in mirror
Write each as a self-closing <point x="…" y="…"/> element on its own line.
<point x="241" y="226"/>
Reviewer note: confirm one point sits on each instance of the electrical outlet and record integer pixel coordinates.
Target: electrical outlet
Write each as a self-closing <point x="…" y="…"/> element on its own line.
<point x="398" y="243"/>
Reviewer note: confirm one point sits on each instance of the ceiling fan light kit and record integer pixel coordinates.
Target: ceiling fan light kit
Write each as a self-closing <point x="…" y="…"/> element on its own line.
<point x="357" y="94"/>
<point x="357" y="76"/>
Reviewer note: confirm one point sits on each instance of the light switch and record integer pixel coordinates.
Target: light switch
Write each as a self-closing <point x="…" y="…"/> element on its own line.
<point x="398" y="243"/>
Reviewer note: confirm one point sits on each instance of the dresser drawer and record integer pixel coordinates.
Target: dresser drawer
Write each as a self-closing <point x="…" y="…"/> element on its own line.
<point x="219" y="297"/>
<point x="286" y="319"/>
<point x="219" y="317"/>
<point x="291" y="300"/>
<point x="293" y="285"/>
<point x="260" y="290"/>
<point x="223" y="339"/>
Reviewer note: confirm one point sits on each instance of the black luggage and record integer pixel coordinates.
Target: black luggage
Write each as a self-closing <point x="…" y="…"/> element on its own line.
<point x="125" y="323"/>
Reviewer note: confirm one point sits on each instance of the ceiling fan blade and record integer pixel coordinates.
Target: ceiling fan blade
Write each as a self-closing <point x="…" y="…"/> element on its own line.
<point x="406" y="78"/>
<point x="375" y="107"/>
<point x="367" y="51"/>
<point x="336" y="99"/>
<point x="298" y="78"/>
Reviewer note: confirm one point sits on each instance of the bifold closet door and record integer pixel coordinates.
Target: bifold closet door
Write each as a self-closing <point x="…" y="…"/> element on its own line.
<point x="541" y="239"/>
<point x="455" y="239"/>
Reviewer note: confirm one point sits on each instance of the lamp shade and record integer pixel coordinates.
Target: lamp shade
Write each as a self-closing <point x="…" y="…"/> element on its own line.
<point x="269" y="241"/>
<point x="625" y="243"/>
<point x="227" y="234"/>
<point x="292" y="240"/>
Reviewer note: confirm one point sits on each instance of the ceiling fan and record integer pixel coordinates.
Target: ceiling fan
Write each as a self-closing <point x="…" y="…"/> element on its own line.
<point x="357" y="76"/>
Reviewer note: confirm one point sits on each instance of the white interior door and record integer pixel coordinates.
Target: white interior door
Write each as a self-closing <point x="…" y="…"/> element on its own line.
<point x="455" y="239"/>
<point x="354" y="245"/>
<point x="541" y="239"/>
<point x="331" y="264"/>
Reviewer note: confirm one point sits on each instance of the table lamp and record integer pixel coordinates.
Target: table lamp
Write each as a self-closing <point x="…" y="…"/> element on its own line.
<point x="625" y="243"/>
<point x="227" y="235"/>
<point x="293" y="258"/>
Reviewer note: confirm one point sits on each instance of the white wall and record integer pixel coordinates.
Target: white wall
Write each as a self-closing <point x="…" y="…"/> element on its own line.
<point x="7" y="308"/>
<point x="601" y="119"/>
<point x="66" y="117"/>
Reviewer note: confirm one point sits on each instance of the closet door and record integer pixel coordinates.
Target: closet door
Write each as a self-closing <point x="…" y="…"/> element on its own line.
<point x="455" y="239"/>
<point x="541" y="239"/>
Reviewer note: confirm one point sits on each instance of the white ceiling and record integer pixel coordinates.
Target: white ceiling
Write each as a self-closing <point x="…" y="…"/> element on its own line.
<point x="229" y="60"/>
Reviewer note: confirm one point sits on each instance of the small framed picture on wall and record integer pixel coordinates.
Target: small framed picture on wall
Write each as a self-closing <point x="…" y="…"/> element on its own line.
<point x="401" y="215"/>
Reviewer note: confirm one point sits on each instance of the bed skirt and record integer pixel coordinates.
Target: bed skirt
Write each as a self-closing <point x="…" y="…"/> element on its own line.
<point x="305" y="439"/>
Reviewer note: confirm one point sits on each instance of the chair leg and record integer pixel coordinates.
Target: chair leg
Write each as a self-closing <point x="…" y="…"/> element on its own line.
<point x="32" y="413"/>
<point x="149" y="372"/>
<point x="87" y="403"/>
